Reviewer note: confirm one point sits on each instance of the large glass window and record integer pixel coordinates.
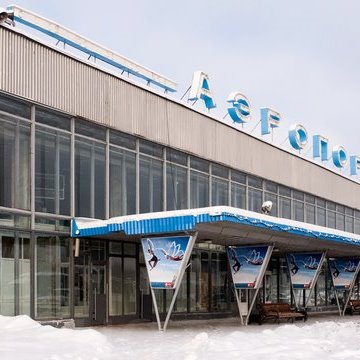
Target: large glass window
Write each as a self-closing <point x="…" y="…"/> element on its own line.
<point x="151" y="184"/>
<point x="199" y="282"/>
<point x="89" y="179"/>
<point x="52" y="280"/>
<point x="14" y="163"/>
<point x="298" y="210"/>
<point x="285" y="207"/>
<point x="115" y="286"/>
<point x="82" y="280"/>
<point x="7" y="274"/>
<point x="122" y="182"/>
<point x="122" y="279"/>
<point x="284" y="282"/>
<point x="219" y="293"/>
<point x="255" y="200"/>
<point x="238" y="196"/>
<point x="24" y="274"/>
<point x="176" y="187"/>
<point x="331" y="219"/>
<point x="321" y="216"/>
<point x="219" y="191"/>
<point x="274" y="199"/>
<point x="199" y="189"/>
<point x="14" y="274"/>
<point x="52" y="172"/>
<point x="129" y="286"/>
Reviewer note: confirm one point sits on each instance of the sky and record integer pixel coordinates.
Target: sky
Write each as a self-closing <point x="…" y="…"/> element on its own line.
<point x="299" y="58"/>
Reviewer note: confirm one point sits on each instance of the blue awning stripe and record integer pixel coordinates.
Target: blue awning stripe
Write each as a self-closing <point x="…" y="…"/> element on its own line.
<point x="179" y="223"/>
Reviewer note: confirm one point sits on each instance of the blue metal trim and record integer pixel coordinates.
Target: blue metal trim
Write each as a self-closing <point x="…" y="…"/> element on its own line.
<point x="91" y="53"/>
<point x="188" y="223"/>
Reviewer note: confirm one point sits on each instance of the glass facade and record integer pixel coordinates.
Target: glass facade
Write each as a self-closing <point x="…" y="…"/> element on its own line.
<point x="55" y="167"/>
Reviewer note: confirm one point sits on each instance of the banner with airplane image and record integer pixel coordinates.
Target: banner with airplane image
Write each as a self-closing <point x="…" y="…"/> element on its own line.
<point x="304" y="269"/>
<point x="246" y="265"/>
<point x="164" y="257"/>
<point x="343" y="272"/>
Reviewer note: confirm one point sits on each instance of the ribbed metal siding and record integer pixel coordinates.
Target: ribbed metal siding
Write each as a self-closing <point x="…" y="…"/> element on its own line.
<point x="33" y="71"/>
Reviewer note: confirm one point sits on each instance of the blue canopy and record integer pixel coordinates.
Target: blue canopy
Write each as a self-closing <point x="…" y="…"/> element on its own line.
<point x="189" y="220"/>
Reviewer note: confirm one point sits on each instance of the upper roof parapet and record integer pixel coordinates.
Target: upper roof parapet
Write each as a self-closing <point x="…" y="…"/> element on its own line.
<point x="92" y="49"/>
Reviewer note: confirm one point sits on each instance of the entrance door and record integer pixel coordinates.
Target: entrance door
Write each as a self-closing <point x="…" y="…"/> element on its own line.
<point x="145" y="295"/>
<point x="98" y="282"/>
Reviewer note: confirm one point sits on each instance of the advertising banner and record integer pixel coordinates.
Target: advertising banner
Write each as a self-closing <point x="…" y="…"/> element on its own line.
<point x="164" y="257"/>
<point x="304" y="269"/>
<point x="343" y="272"/>
<point x="246" y="265"/>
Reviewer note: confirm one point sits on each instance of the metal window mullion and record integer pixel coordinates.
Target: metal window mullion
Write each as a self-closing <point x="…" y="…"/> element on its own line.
<point x="210" y="184"/>
<point x="16" y="166"/>
<point x="124" y="210"/>
<point x="57" y="175"/>
<point x="32" y="168"/>
<point x="246" y="193"/>
<point x="92" y="181"/>
<point x="72" y="169"/>
<point x="164" y="180"/>
<point x="229" y="188"/>
<point x="188" y="200"/>
<point x="151" y="186"/>
<point x="16" y="274"/>
<point x="107" y="175"/>
<point x="137" y="180"/>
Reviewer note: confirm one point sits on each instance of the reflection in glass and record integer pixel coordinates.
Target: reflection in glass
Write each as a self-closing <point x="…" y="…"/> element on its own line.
<point x="14" y="163"/>
<point x="238" y="196"/>
<point x="89" y="179"/>
<point x="285" y="207"/>
<point x="52" y="172"/>
<point x="52" y="277"/>
<point x="199" y="189"/>
<point x="151" y="185"/>
<point x="298" y="210"/>
<point x="284" y="282"/>
<point x="122" y="182"/>
<point x="255" y="200"/>
<point x="176" y="187"/>
<point x="219" y="192"/>
<point x="115" y="286"/>
<point x="7" y="276"/>
<point x="274" y="199"/>
<point x="129" y="286"/>
<point x="219" y="287"/>
<point x="24" y="275"/>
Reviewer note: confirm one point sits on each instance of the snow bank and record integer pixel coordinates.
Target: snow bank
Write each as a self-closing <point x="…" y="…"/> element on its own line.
<point x="23" y="338"/>
<point x="330" y="340"/>
<point x="338" y="339"/>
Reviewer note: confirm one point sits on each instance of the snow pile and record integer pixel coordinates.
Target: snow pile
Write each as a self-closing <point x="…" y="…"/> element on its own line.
<point x="23" y="338"/>
<point x="334" y="340"/>
<point x="339" y="339"/>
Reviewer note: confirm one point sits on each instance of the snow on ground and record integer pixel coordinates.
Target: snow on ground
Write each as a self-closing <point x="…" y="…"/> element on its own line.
<point x="319" y="338"/>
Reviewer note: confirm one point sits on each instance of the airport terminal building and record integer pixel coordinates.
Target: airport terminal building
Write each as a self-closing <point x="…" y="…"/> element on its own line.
<point x="79" y="140"/>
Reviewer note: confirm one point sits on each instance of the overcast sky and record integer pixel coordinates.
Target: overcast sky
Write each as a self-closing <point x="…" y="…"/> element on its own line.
<point x="299" y="57"/>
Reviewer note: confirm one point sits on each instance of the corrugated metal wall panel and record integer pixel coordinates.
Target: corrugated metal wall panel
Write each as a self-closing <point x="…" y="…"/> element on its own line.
<point x="34" y="71"/>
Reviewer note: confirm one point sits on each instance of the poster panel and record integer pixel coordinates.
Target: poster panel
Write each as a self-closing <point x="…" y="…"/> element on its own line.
<point x="303" y="269"/>
<point x="163" y="258"/>
<point x="246" y="265"/>
<point x="343" y="272"/>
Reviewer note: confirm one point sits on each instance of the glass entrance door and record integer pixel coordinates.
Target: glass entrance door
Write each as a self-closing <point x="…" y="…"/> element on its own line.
<point x="98" y="283"/>
<point x="90" y="283"/>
